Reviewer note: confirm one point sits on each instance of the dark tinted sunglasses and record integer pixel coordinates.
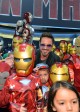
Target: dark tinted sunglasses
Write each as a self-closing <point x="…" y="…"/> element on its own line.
<point x="48" y="45"/>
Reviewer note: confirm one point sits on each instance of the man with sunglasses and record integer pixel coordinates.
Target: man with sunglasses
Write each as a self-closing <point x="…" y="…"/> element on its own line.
<point x="45" y="54"/>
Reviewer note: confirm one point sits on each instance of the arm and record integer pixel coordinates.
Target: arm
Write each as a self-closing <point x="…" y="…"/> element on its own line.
<point x="4" y="97"/>
<point x="4" y="66"/>
<point x="28" y="100"/>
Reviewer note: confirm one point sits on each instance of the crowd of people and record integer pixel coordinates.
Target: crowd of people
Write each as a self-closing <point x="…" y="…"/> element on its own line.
<point x="46" y="68"/>
<point x="40" y="80"/>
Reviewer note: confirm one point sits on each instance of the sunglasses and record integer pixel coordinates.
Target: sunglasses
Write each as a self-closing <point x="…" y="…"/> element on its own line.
<point x="48" y="45"/>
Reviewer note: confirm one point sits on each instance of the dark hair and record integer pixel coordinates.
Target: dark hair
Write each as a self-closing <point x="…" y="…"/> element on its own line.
<point x="48" y="35"/>
<point x="53" y="91"/>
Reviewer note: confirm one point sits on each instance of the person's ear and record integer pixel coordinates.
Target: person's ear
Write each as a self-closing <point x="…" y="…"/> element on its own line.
<point x="53" y="108"/>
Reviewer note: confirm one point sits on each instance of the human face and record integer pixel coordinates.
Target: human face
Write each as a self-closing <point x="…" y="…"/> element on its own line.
<point x="44" y="76"/>
<point x="65" y="101"/>
<point x="45" y="46"/>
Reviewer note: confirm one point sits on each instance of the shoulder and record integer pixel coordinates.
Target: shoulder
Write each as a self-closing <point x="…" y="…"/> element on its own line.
<point x="4" y="66"/>
<point x="37" y="51"/>
<point x="54" y="56"/>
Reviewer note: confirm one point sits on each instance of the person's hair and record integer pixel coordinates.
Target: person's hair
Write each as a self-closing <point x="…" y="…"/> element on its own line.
<point x="54" y="89"/>
<point x="48" y="35"/>
<point x="44" y="69"/>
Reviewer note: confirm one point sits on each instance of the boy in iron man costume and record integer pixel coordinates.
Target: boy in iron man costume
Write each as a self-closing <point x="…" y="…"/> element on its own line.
<point x="20" y="86"/>
<point x="75" y="58"/>
<point x="43" y="72"/>
<point x="63" y="46"/>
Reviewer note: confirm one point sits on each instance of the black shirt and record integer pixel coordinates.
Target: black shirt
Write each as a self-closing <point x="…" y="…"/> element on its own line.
<point x="52" y="58"/>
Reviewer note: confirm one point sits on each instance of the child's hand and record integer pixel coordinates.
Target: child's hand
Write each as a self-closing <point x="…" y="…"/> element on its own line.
<point x="9" y="61"/>
<point x="36" y="69"/>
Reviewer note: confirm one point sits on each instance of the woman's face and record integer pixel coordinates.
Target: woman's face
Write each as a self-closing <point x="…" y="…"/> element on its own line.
<point x="65" y="101"/>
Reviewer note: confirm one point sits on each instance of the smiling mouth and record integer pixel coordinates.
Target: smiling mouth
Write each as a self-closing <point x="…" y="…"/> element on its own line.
<point x="45" y="49"/>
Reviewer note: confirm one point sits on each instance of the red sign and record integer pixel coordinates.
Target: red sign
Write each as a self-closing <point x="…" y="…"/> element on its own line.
<point x="46" y="13"/>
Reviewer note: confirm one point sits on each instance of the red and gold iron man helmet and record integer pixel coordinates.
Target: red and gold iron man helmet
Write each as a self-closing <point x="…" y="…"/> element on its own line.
<point x="59" y="53"/>
<point x="16" y="40"/>
<point x="68" y="46"/>
<point x="77" y="45"/>
<point x="53" y="47"/>
<point x="59" y="72"/>
<point x="28" y="17"/>
<point x="72" y="50"/>
<point x="63" y="46"/>
<point x="24" y="57"/>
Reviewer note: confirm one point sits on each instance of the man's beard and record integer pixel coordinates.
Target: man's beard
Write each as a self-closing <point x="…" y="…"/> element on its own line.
<point x="45" y="54"/>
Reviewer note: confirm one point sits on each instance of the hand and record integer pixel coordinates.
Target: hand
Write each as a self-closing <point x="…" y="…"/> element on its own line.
<point x="9" y="61"/>
<point x="36" y="69"/>
<point x="22" y="108"/>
